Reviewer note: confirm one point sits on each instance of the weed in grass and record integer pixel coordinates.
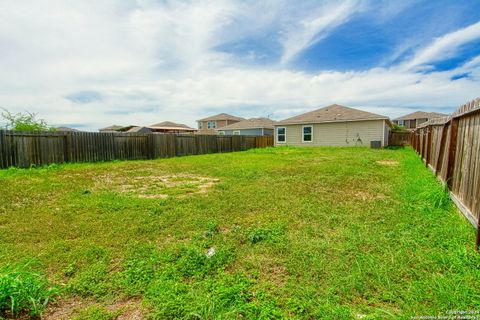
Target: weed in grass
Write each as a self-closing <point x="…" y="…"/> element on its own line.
<point x="23" y="291"/>
<point x="269" y="234"/>
<point x="96" y="313"/>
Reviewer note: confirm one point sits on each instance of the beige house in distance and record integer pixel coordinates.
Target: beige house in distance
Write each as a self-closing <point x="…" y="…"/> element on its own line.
<point x="413" y="120"/>
<point x="210" y="125"/>
<point x="334" y="125"/>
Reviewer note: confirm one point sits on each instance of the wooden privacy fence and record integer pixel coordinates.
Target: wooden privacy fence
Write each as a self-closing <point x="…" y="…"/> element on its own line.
<point x="399" y="138"/>
<point x="24" y="149"/>
<point x="450" y="146"/>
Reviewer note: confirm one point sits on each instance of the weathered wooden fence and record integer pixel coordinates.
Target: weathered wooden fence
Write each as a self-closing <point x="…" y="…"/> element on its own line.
<point x="399" y="138"/>
<point x="450" y="146"/>
<point x="24" y="149"/>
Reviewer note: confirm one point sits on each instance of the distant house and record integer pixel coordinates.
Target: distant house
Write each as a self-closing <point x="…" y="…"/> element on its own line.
<point x="66" y="129"/>
<point x="334" y="125"/>
<point x="139" y="130"/>
<point x="412" y="120"/>
<point x="116" y="128"/>
<point x="249" y="127"/>
<point x="171" y="127"/>
<point x="210" y="125"/>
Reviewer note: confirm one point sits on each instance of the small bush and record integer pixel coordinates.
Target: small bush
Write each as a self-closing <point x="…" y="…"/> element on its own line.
<point x="24" y="292"/>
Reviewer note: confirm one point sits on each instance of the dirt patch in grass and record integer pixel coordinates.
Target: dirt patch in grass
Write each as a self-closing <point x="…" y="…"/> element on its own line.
<point x="70" y="309"/>
<point x="390" y="163"/>
<point x="154" y="186"/>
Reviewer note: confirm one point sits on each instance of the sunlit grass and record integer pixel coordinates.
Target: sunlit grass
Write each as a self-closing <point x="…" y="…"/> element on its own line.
<point x="334" y="233"/>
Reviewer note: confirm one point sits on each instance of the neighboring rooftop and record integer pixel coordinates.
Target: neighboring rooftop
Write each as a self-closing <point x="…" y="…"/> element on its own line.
<point x="222" y="116"/>
<point x="138" y="129"/>
<point x="170" y="125"/>
<point x="421" y="115"/>
<point x="253" y="123"/>
<point x="66" y="129"/>
<point x="332" y="113"/>
<point x="111" y="128"/>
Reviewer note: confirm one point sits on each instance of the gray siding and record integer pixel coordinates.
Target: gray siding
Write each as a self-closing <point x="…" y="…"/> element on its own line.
<point x="350" y="133"/>
<point x="250" y="132"/>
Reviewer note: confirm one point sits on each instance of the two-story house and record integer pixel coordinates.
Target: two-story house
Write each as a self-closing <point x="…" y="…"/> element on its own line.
<point x="412" y="120"/>
<point x="210" y="125"/>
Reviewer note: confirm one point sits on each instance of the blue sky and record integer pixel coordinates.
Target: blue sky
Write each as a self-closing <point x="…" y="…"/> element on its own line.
<point x="91" y="64"/>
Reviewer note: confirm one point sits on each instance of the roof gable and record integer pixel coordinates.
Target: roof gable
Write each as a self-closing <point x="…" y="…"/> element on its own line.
<point x="332" y="113"/>
<point x="421" y="115"/>
<point x="222" y="116"/>
<point x="253" y="123"/>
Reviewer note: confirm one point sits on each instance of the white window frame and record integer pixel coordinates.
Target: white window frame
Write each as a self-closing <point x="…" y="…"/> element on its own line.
<point x="401" y="123"/>
<point x="236" y="132"/>
<point x="285" y="134"/>
<point x="221" y="133"/>
<point x="303" y="133"/>
<point x="212" y="125"/>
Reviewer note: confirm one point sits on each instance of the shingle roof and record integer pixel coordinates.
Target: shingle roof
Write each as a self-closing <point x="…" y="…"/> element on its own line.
<point x="253" y="123"/>
<point x="138" y="129"/>
<point x="170" y="125"/>
<point x="111" y="128"/>
<point x="332" y="113"/>
<point x="66" y="129"/>
<point x="421" y="115"/>
<point x="222" y="116"/>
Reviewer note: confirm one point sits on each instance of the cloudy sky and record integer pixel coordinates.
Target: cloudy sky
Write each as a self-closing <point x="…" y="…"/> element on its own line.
<point x="93" y="63"/>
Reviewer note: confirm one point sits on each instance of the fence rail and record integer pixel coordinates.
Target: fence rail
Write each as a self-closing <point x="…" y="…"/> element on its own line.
<point x="450" y="146"/>
<point x="24" y="149"/>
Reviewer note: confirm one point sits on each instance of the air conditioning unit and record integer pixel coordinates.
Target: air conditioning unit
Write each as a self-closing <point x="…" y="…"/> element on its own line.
<point x="375" y="144"/>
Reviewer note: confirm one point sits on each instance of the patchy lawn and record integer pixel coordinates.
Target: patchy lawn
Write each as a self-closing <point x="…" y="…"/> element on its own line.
<point x="273" y="233"/>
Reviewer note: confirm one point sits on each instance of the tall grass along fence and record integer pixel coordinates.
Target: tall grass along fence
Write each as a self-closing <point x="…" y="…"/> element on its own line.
<point x="450" y="146"/>
<point x="24" y="149"/>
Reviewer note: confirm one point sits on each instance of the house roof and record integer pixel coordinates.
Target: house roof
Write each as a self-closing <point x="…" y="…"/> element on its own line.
<point x="253" y="123"/>
<point x="332" y="113"/>
<point x="66" y="129"/>
<point x="111" y="128"/>
<point x="171" y="126"/>
<point x="421" y="115"/>
<point x="222" y="116"/>
<point x="136" y="129"/>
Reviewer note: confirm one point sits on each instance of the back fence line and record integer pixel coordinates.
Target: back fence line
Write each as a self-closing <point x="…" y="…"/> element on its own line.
<point x="24" y="149"/>
<point x="450" y="146"/>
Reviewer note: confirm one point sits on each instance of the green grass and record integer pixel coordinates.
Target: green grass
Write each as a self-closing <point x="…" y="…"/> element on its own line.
<point x="296" y="233"/>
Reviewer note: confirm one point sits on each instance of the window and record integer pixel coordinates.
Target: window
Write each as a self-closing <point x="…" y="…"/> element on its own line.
<point x="401" y="122"/>
<point x="236" y="133"/>
<point x="200" y="125"/>
<point x="307" y="133"/>
<point x="221" y="133"/>
<point x="281" y="134"/>
<point x="212" y="124"/>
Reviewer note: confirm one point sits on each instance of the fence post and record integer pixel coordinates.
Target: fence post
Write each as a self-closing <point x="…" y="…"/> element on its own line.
<point x="68" y="147"/>
<point x="451" y="152"/>
<point x="429" y="146"/>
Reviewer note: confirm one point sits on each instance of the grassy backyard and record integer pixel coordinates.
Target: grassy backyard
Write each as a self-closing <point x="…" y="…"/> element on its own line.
<point x="334" y="233"/>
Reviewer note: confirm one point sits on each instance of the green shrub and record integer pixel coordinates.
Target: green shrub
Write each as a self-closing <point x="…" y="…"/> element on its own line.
<point x="24" y="292"/>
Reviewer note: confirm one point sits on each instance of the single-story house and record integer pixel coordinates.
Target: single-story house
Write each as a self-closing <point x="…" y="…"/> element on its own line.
<point x="116" y="128"/>
<point x="413" y="120"/>
<point x="171" y="127"/>
<point x="139" y="130"/>
<point x="249" y="127"/>
<point x="210" y="125"/>
<point x="66" y="129"/>
<point x="334" y="125"/>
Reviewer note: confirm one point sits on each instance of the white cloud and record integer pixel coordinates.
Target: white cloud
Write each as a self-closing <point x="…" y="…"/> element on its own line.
<point x="315" y="27"/>
<point x="143" y="62"/>
<point x="445" y="47"/>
